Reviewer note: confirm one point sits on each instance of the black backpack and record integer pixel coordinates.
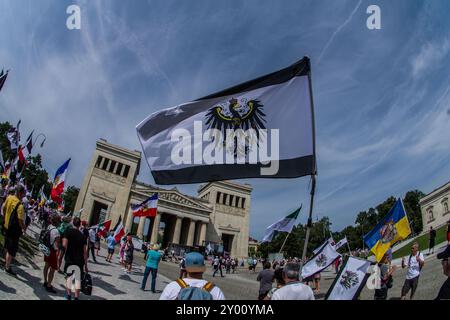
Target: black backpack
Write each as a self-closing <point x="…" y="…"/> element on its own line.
<point x="44" y="241"/>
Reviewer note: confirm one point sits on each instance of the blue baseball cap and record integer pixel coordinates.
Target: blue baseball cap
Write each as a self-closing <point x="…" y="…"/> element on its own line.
<point x="195" y="262"/>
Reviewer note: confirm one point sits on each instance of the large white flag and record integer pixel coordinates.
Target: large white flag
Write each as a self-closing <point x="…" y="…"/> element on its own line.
<point x="350" y="280"/>
<point x="263" y="128"/>
<point x="283" y="225"/>
<point x="341" y="243"/>
<point x="320" y="261"/>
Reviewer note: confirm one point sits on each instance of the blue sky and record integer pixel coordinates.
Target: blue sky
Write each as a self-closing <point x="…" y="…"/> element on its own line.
<point x="382" y="97"/>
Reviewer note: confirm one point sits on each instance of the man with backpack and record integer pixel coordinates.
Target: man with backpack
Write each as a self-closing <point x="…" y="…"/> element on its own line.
<point x="415" y="264"/>
<point x="14" y="225"/>
<point x="75" y="254"/>
<point x="386" y="272"/>
<point x="51" y="239"/>
<point x="194" y="287"/>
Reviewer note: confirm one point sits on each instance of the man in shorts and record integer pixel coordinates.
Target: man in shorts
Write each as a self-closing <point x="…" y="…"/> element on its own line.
<point x="111" y="244"/>
<point x="75" y="255"/>
<point x="415" y="264"/>
<point x="51" y="261"/>
<point x="14" y="217"/>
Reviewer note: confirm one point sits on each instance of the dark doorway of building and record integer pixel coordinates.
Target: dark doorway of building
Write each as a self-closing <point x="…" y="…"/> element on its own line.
<point x="98" y="213"/>
<point x="135" y="225"/>
<point x="227" y="240"/>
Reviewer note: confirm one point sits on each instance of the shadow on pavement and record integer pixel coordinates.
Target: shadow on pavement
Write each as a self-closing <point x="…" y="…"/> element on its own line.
<point x="98" y="263"/>
<point x="5" y="288"/>
<point x="34" y="283"/>
<point x="98" y="282"/>
<point x="100" y="273"/>
<point x="127" y="278"/>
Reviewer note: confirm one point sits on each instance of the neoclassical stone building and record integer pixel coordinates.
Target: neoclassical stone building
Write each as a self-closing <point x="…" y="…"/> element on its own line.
<point x="435" y="207"/>
<point x="219" y="214"/>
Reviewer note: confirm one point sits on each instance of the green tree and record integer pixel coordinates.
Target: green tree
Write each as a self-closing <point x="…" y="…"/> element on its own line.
<point x="70" y="198"/>
<point x="35" y="176"/>
<point x="4" y="142"/>
<point x="412" y="207"/>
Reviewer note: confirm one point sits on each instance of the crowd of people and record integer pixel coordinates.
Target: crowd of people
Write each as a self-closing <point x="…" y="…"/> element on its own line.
<point x="67" y="242"/>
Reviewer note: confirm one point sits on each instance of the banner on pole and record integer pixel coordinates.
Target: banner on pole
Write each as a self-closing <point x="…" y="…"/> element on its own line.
<point x="350" y="280"/>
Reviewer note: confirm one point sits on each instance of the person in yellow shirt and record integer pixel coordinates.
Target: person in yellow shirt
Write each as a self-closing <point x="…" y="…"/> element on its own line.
<point x="14" y="217"/>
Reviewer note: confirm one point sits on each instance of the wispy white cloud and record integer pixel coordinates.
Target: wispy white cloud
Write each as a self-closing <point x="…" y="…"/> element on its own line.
<point x="378" y="118"/>
<point x="338" y="29"/>
<point x="431" y="56"/>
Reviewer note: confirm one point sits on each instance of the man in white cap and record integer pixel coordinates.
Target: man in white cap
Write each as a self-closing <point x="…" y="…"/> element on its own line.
<point x="193" y="287"/>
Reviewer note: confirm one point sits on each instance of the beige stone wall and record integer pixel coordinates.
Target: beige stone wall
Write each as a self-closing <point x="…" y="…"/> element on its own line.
<point x="435" y="208"/>
<point x="105" y="187"/>
<point x="204" y="219"/>
<point x="228" y="219"/>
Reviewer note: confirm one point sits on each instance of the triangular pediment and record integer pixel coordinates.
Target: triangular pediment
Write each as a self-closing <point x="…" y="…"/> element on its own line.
<point x="172" y="196"/>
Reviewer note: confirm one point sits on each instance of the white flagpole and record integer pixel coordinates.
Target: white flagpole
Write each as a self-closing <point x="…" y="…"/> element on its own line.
<point x="309" y="223"/>
<point x="282" y="246"/>
<point x="348" y="246"/>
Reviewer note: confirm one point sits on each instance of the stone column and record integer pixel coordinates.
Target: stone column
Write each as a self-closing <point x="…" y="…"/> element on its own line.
<point x="129" y="221"/>
<point x="155" y="229"/>
<point x="202" y="234"/>
<point x="177" y="231"/>
<point x="190" y="237"/>
<point x="140" y="229"/>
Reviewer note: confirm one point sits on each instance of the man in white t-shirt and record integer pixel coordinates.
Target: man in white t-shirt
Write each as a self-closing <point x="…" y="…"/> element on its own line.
<point x="195" y="267"/>
<point x="91" y="246"/>
<point x="294" y="289"/>
<point x="415" y="264"/>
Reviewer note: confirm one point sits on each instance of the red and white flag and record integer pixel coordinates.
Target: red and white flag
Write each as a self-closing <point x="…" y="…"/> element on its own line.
<point x="119" y="231"/>
<point x="103" y="228"/>
<point x="146" y="208"/>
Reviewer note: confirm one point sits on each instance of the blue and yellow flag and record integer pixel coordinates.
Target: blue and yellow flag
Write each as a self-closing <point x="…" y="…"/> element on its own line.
<point x="394" y="227"/>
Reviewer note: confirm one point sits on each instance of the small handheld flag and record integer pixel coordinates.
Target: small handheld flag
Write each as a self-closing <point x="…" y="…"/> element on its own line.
<point x="119" y="231"/>
<point x="320" y="261"/>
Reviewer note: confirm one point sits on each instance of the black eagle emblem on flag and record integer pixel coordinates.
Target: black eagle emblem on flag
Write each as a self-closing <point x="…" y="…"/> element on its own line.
<point x="349" y="279"/>
<point x="321" y="260"/>
<point x="237" y="114"/>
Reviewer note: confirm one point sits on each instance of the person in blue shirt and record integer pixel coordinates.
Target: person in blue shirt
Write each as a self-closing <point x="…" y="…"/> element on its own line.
<point x="111" y="243"/>
<point x="153" y="258"/>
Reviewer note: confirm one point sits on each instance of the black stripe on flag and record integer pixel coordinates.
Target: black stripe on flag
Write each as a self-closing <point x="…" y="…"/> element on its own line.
<point x="298" y="167"/>
<point x="3" y="77"/>
<point x="300" y="68"/>
<point x="344" y="263"/>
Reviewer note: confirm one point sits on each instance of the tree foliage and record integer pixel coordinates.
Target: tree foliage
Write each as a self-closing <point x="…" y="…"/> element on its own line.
<point x="70" y="198"/>
<point x="35" y="176"/>
<point x="365" y="221"/>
